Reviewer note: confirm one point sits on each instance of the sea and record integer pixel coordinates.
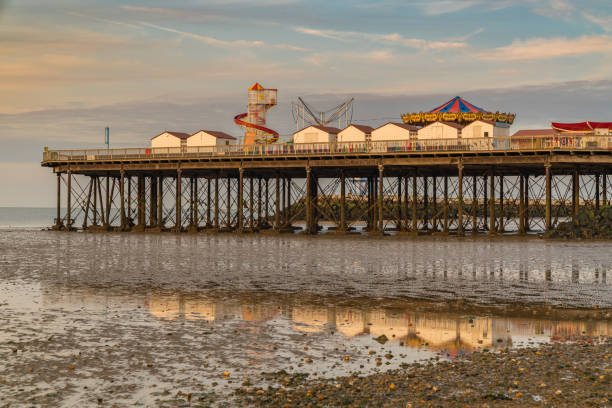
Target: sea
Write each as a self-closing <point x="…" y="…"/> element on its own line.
<point x="142" y="318"/>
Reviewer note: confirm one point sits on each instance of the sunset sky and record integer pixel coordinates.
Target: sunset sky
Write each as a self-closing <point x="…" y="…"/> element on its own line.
<point x="70" y="67"/>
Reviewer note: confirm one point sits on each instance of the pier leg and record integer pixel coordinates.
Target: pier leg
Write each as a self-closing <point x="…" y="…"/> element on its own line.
<point x="398" y="225"/>
<point x="58" y="216"/>
<point x="179" y="201"/>
<point x="160" y="201"/>
<point x="381" y="223"/>
<point x="434" y="200"/>
<point x="251" y="198"/>
<point x="597" y="191"/>
<point x="604" y="187"/>
<point x="229" y="204"/>
<point x="500" y="226"/>
<point x="415" y="226"/>
<point x="108" y="203"/>
<point x="521" y="213"/>
<point x="485" y="203"/>
<point x="474" y="206"/>
<point x="208" y="219"/>
<point x="445" y="208"/>
<point x="191" y="200"/>
<point x="153" y="202"/>
<point x="240" y="204"/>
<point x="69" y="202"/>
<point x="267" y="201"/>
<point x="122" y="198"/>
<point x="88" y="204"/>
<point x="460" y="199"/>
<point x="405" y="223"/>
<point x="548" y="212"/>
<point x="259" y="213"/>
<point x="129" y="199"/>
<point x="141" y="202"/>
<point x="216" y="225"/>
<point x="492" y="203"/>
<point x="374" y="204"/>
<point x="575" y="192"/>
<point x="526" y="214"/>
<point x="94" y="181"/>
<point x="288" y="209"/>
<point x="369" y="212"/>
<point x="309" y="229"/>
<point x="426" y="203"/>
<point x="277" y="204"/>
<point x="102" y="212"/>
<point x="342" y="226"/>
<point x="196" y="200"/>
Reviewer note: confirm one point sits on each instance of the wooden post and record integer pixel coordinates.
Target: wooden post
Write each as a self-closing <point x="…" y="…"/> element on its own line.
<point x="240" y="204"/>
<point x="69" y="201"/>
<point x="492" y="203"/>
<point x="521" y="205"/>
<point x="58" y="217"/>
<point x="548" y="214"/>
<point x="122" y="194"/>
<point x="415" y="226"/>
<point x="460" y="199"/>
<point x="342" y="201"/>
<point x="381" y="225"/>
<point x="500" y="227"/>
<point x="160" y="201"/>
<point x="445" y="210"/>
<point x="179" y="200"/>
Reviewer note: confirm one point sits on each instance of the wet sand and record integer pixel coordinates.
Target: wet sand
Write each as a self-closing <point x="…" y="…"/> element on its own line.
<point x="157" y="320"/>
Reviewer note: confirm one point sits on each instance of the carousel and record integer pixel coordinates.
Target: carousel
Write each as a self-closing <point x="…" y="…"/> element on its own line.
<point x="456" y="110"/>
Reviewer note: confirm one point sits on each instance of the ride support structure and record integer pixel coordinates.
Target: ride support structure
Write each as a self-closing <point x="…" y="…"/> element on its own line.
<point x="254" y="120"/>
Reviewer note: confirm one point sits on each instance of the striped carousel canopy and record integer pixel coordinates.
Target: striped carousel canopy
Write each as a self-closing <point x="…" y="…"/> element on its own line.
<point x="457" y="110"/>
<point x="456" y="105"/>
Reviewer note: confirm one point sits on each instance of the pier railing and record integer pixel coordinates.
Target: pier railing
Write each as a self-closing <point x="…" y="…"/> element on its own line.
<point x="415" y="146"/>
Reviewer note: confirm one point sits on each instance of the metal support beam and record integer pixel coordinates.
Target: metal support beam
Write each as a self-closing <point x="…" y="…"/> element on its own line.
<point x="94" y="181"/>
<point x="597" y="191"/>
<point x="500" y="225"/>
<point x="228" y="218"/>
<point x="179" y="200"/>
<point x="426" y="203"/>
<point x="415" y="226"/>
<point x="195" y="204"/>
<point x="521" y="204"/>
<point x="575" y="192"/>
<point x="381" y="223"/>
<point x="288" y="209"/>
<point x="122" y="198"/>
<point x="342" y="226"/>
<point x="445" y="209"/>
<point x="526" y="213"/>
<point x="405" y="223"/>
<point x="240" y="204"/>
<point x="251" y="209"/>
<point x="492" y="203"/>
<point x="548" y="209"/>
<point x="160" y="201"/>
<point x="153" y="201"/>
<point x="309" y="214"/>
<point x="88" y="204"/>
<point x="216" y="225"/>
<point x="208" y="202"/>
<point x="474" y="205"/>
<point x="259" y="213"/>
<point x="108" y="203"/>
<point x="69" y="201"/>
<point x="399" y="204"/>
<point x="58" y="217"/>
<point x="277" y="204"/>
<point x="460" y="199"/>
<point x="434" y="200"/>
<point x="604" y="187"/>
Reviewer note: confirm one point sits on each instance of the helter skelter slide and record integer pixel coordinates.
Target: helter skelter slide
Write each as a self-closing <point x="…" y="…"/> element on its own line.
<point x="253" y="121"/>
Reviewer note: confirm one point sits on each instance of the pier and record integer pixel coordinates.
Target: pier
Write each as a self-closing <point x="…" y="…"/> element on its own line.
<point x="492" y="185"/>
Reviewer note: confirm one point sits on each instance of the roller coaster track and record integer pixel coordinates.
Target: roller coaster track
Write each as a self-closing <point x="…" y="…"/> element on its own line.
<point x="238" y="120"/>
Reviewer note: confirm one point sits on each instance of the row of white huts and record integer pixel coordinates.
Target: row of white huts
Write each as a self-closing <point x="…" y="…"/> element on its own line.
<point x="400" y="131"/>
<point x="352" y="134"/>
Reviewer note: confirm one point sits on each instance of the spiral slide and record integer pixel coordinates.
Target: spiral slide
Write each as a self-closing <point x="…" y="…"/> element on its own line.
<point x="238" y="120"/>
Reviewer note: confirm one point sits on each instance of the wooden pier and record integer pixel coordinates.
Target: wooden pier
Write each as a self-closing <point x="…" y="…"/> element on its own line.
<point x="488" y="186"/>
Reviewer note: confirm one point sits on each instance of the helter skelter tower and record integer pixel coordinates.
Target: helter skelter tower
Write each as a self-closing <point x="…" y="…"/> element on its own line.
<point x="253" y="121"/>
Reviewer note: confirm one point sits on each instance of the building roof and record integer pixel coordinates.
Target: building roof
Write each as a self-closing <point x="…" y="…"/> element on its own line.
<point x="490" y="122"/>
<point x="402" y="125"/>
<point x="180" y="135"/>
<point x="581" y="126"/>
<point x="363" y="128"/>
<point x="328" y="129"/>
<point x="451" y="124"/>
<point x="217" y="134"/>
<point x="534" y="132"/>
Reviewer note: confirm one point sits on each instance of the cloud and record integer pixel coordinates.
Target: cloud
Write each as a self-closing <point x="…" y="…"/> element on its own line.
<point x="433" y="8"/>
<point x="605" y="22"/>
<point x="388" y="39"/>
<point x="549" y="48"/>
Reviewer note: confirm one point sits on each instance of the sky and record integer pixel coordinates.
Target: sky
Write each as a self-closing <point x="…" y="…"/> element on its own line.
<point x="68" y="68"/>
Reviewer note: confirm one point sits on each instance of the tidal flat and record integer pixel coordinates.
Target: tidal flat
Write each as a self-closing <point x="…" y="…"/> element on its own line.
<point x="227" y="320"/>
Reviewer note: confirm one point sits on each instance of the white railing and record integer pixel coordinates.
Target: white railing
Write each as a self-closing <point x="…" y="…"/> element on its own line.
<point x="559" y="142"/>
